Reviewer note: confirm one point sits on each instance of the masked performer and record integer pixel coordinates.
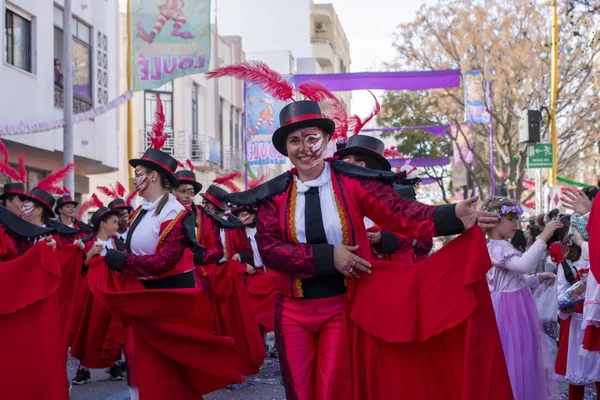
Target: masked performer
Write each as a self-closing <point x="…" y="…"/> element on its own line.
<point x="170" y="349"/>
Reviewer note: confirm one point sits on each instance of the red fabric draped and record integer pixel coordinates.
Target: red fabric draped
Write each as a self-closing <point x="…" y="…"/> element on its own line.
<point x="233" y="314"/>
<point x="34" y="361"/>
<point x="425" y="331"/>
<point x="261" y="289"/>
<point x="70" y="259"/>
<point x="591" y="339"/>
<point x="98" y="337"/>
<point x="176" y="356"/>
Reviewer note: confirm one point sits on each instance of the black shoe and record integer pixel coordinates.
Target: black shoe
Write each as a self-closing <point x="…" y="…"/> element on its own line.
<point x="116" y="373"/>
<point x="83" y="376"/>
<point x="123" y="366"/>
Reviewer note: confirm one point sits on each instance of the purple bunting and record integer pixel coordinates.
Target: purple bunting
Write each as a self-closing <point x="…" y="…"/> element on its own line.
<point x="433" y="129"/>
<point x="420" y="161"/>
<point x="404" y="80"/>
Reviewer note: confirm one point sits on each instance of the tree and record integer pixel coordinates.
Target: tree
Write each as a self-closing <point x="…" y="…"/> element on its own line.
<point x="510" y="43"/>
<point x="408" y="109"/>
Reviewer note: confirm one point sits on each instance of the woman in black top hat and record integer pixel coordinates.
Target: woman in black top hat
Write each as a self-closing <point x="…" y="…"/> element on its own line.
<point x="65" y="210"/>
<point x="310" y="232"/>
<point x="12" y="196"/>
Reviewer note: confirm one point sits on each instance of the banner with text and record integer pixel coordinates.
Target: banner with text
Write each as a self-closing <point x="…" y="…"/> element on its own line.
<point x="475" y="110"/>
<point x="261" y="120"/>
<point x="170" y="39"/>
<point x="464" y="140"/>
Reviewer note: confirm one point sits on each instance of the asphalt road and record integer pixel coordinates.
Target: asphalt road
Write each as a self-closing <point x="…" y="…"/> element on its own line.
<point x="263" y="386"/>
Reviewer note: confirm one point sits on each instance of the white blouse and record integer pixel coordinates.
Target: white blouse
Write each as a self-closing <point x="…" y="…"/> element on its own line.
<point x="106" y="245"/>
<point x="146" y="234"/>
<point x="329" y="211"/>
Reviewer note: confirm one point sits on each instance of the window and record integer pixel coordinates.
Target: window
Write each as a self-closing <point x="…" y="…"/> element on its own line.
<point x="221" y="124"/>
<point x="236" y="128"/>
<point x="232" y="143"/>
<point x="102" y="68"/>
<point x="165" y="93"/>
<point x="194" y="110"/>
<point x="17" y="30"/>
<point x="82" y="56"/>
<point x="342" y="66"/>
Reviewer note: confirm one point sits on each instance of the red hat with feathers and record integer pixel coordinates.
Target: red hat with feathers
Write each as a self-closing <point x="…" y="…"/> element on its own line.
<point x="153" y="158"/>
<point x="219" y="196"/>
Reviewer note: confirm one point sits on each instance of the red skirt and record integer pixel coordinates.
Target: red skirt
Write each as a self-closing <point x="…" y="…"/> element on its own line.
<point x="71" y="261"/>
<point x="99" y="338"/>
<point x="425" y="331"/>
<point x="234" y="316"/>
<point x="261" y="289"/>
<point x="30" y="331"/>
<point x="176" y="356"/>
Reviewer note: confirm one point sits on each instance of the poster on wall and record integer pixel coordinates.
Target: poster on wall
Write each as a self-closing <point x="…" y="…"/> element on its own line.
<point x="463" y="143"/>
<point x="475" y="109"/>
<point x="261" y="120"/>
<point x="169" y="39"/>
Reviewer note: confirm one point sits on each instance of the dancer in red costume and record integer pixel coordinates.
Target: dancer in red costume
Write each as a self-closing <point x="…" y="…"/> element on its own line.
<point x="311" y="234"/>
<point x="231" y="303"/>
<point x="122" y="203"/>
<point x="170" y="349"/>
<point x="39" y="201"/>
<point x="261" y="286"/>
<point x="98" y="337"/>
<point x="65" y="210"/>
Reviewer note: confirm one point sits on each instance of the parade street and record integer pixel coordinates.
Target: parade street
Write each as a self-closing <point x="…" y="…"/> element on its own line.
<point x="264" y="386"/>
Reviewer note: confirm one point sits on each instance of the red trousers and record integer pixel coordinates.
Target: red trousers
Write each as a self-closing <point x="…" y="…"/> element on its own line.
<point x="306" y="335"/>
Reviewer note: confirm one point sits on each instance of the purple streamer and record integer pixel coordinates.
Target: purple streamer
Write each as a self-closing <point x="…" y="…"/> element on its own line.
<point x="420" y="161"/>
<point x="433" y="129"/>
<point x="404" y="80"/>
<point x="427" y="181"/>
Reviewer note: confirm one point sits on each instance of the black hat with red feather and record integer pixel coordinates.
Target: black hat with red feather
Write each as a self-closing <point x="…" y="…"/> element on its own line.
<point x="63" y="201"/>
<point x="219" y="196"/>
<point x="16" y="188"/>
<point x="117" y="193"/>
<point x="188" y="176"/>
<point x="51" y="185"/>
<point x="153" y="158"/>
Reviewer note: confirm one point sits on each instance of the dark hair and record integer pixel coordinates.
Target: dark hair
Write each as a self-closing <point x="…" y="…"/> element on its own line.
<point x="560" y="234"/>
<point x="590" y="191"/>
<point x="166" y="184"/>
<point x="369" y="161"/>
<point x="495" y="203"/>
<point x="539" y="221"/>
<point x="519" y="241"/>
<point x="551" y="215"/>
<point x="534" y="231"/>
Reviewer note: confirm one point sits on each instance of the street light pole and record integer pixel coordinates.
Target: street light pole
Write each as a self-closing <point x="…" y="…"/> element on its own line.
<point x="68" y="154"/>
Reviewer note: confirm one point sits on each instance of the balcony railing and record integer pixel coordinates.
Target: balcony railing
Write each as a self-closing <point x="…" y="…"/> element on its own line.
<point x="79" y="105"/>
<point x="169" y="146"/>
<point x="232" y="159"/>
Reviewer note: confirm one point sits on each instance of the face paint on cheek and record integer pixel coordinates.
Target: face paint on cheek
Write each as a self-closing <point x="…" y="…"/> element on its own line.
<point x="316" y="147"/>
<point x="140" y="183"/>
<point x="27" y="210"/>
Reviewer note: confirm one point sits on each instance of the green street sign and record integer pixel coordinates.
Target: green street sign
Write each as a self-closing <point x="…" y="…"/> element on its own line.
<point x="539" y="155"/>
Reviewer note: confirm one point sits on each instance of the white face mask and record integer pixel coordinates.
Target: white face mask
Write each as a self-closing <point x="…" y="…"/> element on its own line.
<point x="27" y="210"/>
<point x="141" y="181"/>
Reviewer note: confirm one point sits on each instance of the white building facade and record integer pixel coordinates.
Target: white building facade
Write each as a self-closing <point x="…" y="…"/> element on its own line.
<point x="31" y="76"/>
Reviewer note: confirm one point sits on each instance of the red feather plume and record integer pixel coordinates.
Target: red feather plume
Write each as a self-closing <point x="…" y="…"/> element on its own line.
<point x="130" y="197"/>
<point x="392" y="153"/>
<point x="189" y="164"/>
<point x="53" y="182"/>
<point x="255" y="182"/>
<point x="158" y="136"/>
<point x="7" y="169"/>
<point x="94" y="201"/>
<point x="22" y="171"/>
<point x="120" y="189"/>
<point x="259" y="73"/>
<point x="227" y="181"/>
<point x="318" y="93"/>
<point x="180" y="164"/>
<point x="556" y="253"/>
<point x="109" y="192"/>
<point x="357" y="124"/>
<point x="66" y="190"/>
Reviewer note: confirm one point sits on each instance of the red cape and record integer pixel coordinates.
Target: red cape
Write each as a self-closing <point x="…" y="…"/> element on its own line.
<point x="233" y="314"/>
<point x="425" y="331"/>
<point x="30" y="330"/>
<point x="70" y="259"/>
<point x="176" y="356"/>
<point x="261" y="290"/>
<point x="591" y="339"/>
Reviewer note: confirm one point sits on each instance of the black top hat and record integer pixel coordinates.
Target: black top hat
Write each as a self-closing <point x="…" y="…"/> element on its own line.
<point x="188" y="177"/>
<point x="63" y="201"/>
<point x="13" y="189"/>
<point x="41" y="197"/>
<point x="235" y="211"/>
<point x="216" y="196"/>
<point x="158" y="161"/>
<point x="101" y="214"/>
<point x="119" y="204"/>
<point x="367" y="146"/>
<point x="298" y="115"/>
<point x="340" y="145"/>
